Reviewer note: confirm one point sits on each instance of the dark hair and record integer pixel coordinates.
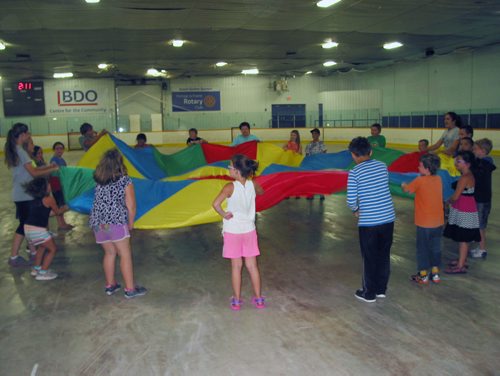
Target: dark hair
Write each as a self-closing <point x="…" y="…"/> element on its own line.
<point x="377" y="125"/>
<point x="468" y="157"/>
<point x="36" y="149"/>
<point x="141" y="136"/>
<point x="85" y="127"/>
<point x="485" y="144"/>
<point x="245" y="124"/>
<point x="296" y="132"/>
<point x="316" y="130"/>
<point x="431" y="162"/>
<point x="456" y="118"/>
<point x="469" y="130"/>
<point x="193" y="130"/>
<point x="469" y="140"/>
<point x="37" y="187"/>
<point x="56" y="144"/>
<point x="11" y="157"/>
<point x="244" y="165"/>
<point x="360" y="147"/>
<point x="110" y="168"/>
<point x="424" y="140"/>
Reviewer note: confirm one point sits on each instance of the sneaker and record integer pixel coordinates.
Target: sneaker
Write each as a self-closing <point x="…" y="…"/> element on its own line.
<point x="382" y="295"/>
<point x="435" y="278"/>
<point x="364" y="296"/>
<point x="420" y="279"/>
<point x="45" y="275"/>
<point x="236" y="304"/>
<point x="478" y="253"/>
<point x="35" y="270"/>
<point x="259" y="302"/>
<point x="18" y="262"/>
<point x="138" y="291"/>
<point x="110" y="290"/>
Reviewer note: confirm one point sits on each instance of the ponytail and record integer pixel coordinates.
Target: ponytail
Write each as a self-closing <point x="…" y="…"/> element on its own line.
<point x="10" y="151"/>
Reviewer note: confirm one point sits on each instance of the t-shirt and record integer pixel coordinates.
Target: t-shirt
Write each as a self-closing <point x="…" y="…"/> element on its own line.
<point x="449" y="136"/>
<point x="377" y="141"/>
<point x="482" y="174"/>
<point x="83" y="139"/>
<point x="21" y="176"/>
<point x="315" y="148"/>
<point x="109" y="206"/>
<point x="240" y="139"/>
<point x="58" y="161"/>
<point x="191" y="140"/>
<point x="368" y="192"/>
<point x="429" y="212"/>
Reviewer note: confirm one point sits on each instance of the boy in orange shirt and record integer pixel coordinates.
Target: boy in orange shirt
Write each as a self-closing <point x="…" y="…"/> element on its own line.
<point x="429" y="218"/>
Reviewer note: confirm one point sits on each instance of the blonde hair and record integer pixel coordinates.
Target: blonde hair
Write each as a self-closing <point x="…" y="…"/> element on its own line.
<point x="110" y="168"/>
<point x="485" y="144"/>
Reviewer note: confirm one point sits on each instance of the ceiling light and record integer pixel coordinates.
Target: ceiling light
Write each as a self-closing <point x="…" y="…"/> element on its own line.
<point x="121" y="130"/>
<point x="327" y="3"/>
<point x="391" y="45"/>
<point x="2" y="46"/>
<point x="92" y="1"/>
<point x="177" y="42"/>
<point x="220" y="64"/>
<point x="163" y="71"/>
<point x="309" y="72"/>
<point x="153" y="72"/>
<point x="102" y="66"/>
<point x="329" y="44"/>
<point x="250" y="71"/>
<point x="63" y="75"/>
<point x="329" y="63"/>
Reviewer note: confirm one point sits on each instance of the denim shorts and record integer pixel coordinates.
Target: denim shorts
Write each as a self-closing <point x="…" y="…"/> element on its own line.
<point x="483" y="209"/>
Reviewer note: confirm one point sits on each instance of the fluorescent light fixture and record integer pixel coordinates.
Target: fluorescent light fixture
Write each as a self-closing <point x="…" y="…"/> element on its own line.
<point x="250" y="71"/>
<point x="102" y="66"/>
<point x="92" y="1"/>
<point x="2" y="45"/>
<point x="391" y="45"/>
<point x="177" y="42"/>
<point x="220" y="64"/>
<point x="153" y="72"/>
<point x="309" y="72"/>
<point x="121" y="130"/>
<point x="329" y="63"/>
<point x="329" y="44"/>
<point x="327" y="3"/>
<point x="63" y="75"/>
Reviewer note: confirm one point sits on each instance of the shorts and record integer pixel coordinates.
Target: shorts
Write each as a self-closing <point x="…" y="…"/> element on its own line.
<point x="483" y="210"/>
<point x="110" y="233"/>
<point x="240" y="245"/>
<point x="22" y="212"/>
<point x="36" y="235"/>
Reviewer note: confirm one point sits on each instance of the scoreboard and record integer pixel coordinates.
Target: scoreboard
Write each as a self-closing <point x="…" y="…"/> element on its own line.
<point x="23" y="98"/>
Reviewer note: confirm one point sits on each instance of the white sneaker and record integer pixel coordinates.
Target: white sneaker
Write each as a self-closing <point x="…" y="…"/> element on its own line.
<point x="35" y="270"/>
<point x="45" y="275"/>
<point x="478" y="253"/>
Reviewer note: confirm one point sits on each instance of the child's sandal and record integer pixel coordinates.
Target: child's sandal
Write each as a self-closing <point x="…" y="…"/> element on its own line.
<point x="259" y="302"/>
<point x="236" y="304"/>
<point x="455" y="263"/>
<point x="456" y="270"/>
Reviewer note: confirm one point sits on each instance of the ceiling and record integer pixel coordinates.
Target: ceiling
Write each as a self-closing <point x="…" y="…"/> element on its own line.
<point x="279" y="37"/>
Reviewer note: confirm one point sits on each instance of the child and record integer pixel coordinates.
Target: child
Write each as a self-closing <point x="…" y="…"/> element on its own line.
<point x="482" y="193"/>
<point x="141" y="141"/>
<point x="36" y="227"/>
<point x="111" y="218"/>
<point x="89" y="137"/>
<point x="55" y="184"/>
<point x="23" y="172"/>
<point x="429" y="218"/>
<point x="376" y="140"/>
<point x="315" y="147"/>
<point x="369" y="198"/>
<point x="294" y="143"/>
<point x="463" y="220"/>
<point x="465" y="144"/>
<point x="423" y="145"/>
<point x="466" y="131"/>
<point x="240" y="236"/>
<point x="38" y="156"/>
<point x="193" y="138"/>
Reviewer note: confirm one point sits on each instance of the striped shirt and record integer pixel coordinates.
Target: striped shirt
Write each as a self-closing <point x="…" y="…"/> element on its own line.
<point x="368" y="192"/>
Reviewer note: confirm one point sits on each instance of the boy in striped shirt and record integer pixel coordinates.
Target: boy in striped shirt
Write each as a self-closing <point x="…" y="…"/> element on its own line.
<point x="369" y="198"/>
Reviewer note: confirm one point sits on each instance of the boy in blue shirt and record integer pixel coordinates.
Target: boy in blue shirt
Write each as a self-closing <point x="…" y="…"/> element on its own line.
<point x="369" y="198"/>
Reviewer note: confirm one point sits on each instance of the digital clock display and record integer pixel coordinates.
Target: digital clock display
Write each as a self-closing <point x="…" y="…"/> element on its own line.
<point x="23" y="98"/>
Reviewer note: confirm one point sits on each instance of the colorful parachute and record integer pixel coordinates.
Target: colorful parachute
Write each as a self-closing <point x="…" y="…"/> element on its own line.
<point x="177" y="190"/>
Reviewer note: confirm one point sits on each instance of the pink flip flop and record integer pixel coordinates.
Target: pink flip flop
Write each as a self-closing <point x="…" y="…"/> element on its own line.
<point x="236" y="304"/>
<point x="259" y="302"/>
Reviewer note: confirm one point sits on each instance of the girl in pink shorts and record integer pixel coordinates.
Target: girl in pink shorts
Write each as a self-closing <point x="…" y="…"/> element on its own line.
<point x="111" y="218"/>
<point x="240" y="237"/>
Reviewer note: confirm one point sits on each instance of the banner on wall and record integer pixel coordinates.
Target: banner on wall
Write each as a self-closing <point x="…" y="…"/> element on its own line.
<point x="184" y="101"/>
<point x="79" y="97"/>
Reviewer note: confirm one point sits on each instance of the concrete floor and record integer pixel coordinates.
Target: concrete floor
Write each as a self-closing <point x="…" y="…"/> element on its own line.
<point x="313" y="325"/>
